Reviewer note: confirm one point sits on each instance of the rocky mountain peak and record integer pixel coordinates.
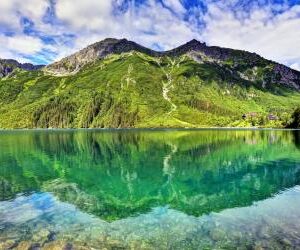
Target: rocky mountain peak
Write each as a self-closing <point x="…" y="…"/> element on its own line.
<point x="193" y="45"/>
<point x="98" y="50"/>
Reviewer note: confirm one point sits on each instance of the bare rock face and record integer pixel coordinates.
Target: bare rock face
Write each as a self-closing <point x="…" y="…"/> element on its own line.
<point x="287" y="76"/>
<point x="237" y="61"/>
<point x="7" y="66"/>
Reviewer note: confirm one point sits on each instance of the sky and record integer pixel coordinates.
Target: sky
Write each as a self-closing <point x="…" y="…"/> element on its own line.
<point x="43" y="31"/>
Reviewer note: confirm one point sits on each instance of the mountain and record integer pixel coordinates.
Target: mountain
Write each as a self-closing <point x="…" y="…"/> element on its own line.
<point x="7" y="66"/>
<point x="119" y="83"/>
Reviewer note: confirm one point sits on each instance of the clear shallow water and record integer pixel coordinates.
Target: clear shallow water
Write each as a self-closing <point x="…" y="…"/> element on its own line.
<point x="149" y="189"/>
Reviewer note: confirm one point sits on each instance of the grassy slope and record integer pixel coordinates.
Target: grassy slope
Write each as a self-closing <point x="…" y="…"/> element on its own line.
<point x="126" y="91"/>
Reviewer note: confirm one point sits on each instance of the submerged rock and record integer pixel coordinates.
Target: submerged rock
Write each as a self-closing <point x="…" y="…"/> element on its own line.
<point x="35" y="246"/>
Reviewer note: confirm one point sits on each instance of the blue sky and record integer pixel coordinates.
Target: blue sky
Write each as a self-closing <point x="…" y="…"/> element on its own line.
<point x="42" y="31"/>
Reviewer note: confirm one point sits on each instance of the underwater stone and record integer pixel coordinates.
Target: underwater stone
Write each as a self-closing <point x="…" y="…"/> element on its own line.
<point x="35" y="246"/>
<point x="52" y="236"/>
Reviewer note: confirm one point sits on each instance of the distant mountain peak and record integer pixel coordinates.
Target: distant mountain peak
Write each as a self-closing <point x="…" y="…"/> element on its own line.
<point x="193" y="45"/>
<point x="7" y="66"/>
<point x="195" y="42"/>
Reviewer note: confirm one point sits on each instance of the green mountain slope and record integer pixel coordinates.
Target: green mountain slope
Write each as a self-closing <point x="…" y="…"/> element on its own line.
<point x="191" y="86"/>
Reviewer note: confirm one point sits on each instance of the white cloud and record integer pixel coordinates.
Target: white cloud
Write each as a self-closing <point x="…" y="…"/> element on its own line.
<point x="22" y="44"/>
<point x="87" y="14"/>
<point x="155" y="24"/>
<point x="149" y="24"/>
<point x="276" y="37"/>
<point x="296" y="66"/>
<point x="175" y="5"/>
<point x="12" y="10"/>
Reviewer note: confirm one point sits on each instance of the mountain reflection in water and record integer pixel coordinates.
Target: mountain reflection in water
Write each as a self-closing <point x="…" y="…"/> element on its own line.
<point x="72" y="181"/>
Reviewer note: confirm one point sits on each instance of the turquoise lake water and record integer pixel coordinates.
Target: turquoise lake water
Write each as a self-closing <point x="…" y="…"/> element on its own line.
<point x="150" y="189"/>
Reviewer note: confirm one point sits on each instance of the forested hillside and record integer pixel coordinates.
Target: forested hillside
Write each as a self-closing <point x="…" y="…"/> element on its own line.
<point x="119" y="84"/>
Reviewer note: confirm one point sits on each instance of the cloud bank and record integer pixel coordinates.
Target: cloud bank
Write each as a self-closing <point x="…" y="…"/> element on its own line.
<point x="41" y="31"/>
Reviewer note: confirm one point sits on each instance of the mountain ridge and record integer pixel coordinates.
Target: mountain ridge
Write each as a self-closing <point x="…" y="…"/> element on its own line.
<point x="197" y="50"/>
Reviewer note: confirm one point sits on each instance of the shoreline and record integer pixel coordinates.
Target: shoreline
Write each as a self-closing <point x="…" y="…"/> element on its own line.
<point x="150" y="129"/>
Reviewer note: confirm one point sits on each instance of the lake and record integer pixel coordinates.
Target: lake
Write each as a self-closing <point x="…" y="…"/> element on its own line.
<point x="149" y="189"/>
